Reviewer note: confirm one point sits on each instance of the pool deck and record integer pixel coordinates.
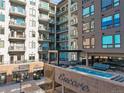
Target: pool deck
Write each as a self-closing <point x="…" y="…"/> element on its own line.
<point x="82" y="83"/>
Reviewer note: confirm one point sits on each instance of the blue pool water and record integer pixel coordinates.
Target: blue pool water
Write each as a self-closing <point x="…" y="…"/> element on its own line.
<point x="93" y="72"/>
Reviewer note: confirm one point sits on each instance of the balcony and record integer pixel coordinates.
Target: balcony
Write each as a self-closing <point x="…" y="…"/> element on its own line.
<point x="20" y="2"/>
<point x="52" y="12"/>
<point x="44" y="39"/>
<point x="17" y="13"/>
<point x="43" y="28"/>
<point x="14" y="24"/>
<point x="41" y="49"/>
<point x="44" y="6"/>
<point x="17" y="37"/>
<point x="62" y="21"/>
<point x="62" y="31"/>
<point x="52" y="21"/>
<point x="43" y="18"/>
<point x="59" y="13"/>
<point x="74" y="21"/>
<point x="19" y="48"/>
<point x="74" y="34"/>
<point x="74" y="7"/>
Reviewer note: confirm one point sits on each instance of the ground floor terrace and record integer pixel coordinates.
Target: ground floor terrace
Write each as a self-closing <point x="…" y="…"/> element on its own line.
<point x="115" y="61"/>
<point x="14" y="73"/>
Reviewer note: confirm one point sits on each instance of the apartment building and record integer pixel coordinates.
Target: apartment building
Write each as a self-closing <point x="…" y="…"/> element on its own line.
<point x="67" y="28"/>
<point x="102" y="28"/>
<point x="94" y="26"/>
<point x="27" y="30"/>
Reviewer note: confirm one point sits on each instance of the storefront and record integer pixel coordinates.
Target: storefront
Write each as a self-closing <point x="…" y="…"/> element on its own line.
<point x="21" y="72"/>
<point x="37" y="72"/>
<point x="2" y="78"/>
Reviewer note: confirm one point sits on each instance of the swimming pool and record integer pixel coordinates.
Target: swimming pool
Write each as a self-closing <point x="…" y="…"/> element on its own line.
<point x="93" y="72"/>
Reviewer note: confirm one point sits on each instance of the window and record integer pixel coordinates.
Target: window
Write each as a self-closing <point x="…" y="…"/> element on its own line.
<point x="117" y="41"/>
<point x="32" y="12"/>
<point x="86" y="27"/>
<point x="32" y="23"/>
<point x="89" y="42"/>
<point x="32" y="44"/>
<point x="18" y="57"/>
<point x="117" y="20"/>
<point x="32" y="2"/>
<point x="32" y="57"/>
<point x="32" y="33"/>
<point x="1" y="58"/>
<point x="44" y="5"/>
<point x="88" y="11"/>
<point x="109" y="21"/>
<point x="107" y="41"/>
<point x="106" y="22"/>
<point x="85" y="1"/>
<point x="111" y="41"/>
<point x="1" y="44"/>
<point x="2" y="4"/>
<point x="2" y="17"/>
<point x="89" y="27"/>
<point x="1" y="31"/>
<point x="107" y="4"/>
<point x="116" y="3"/>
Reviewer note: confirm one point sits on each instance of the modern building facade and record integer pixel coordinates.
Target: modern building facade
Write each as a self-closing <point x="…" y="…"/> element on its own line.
<point x="67" y="28"/>
<point x="27" y="30"/>
<point x="94" y="26"/>
<point x="102" y="28"/>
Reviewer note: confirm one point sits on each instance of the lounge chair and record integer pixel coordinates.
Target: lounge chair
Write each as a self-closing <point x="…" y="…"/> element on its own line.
<point x="100" y="66"/>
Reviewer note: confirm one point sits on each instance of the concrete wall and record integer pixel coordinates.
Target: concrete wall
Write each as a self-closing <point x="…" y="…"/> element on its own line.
<point x="81" y="83"/>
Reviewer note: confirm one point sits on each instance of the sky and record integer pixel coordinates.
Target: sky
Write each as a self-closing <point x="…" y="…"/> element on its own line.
<point x="56" y="1"/>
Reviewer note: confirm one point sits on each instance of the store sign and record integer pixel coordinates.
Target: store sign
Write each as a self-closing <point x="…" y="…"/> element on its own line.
<point x="22" y="68"/>
<point x="74" y="83"/>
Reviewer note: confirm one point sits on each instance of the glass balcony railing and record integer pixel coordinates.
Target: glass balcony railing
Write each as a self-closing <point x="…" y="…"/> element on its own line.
<point x="18" y="10"/>
<point x="43" y="17"/>
<point x="42" y="28"/>
<point x="74" y="7"/>
<point x="17" y="48"/>
<point x="43" y="48"/>
<point x="21" y="2"/>
<point x="44" y="39"/>
<point x="17" y="36"/>
<point x="44" y="5"/>
<point x="16" y="23"/>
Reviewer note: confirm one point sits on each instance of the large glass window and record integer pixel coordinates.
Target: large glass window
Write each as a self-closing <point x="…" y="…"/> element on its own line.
<point x="44" y="5"/>
<point x="116" y="20"/>
<point x="88" y="27"/>
<point x="89" y="42"/>
<point x="107" y="41"/>
<point x="107" y="4"/>
<point x="2" y="4"/>
<point x="106" y="22"/>
<point x="88" y="11"/>
<point x="111" y="21"/>
<point x="2" y="17"/>
<point x="32" y="2"/>
<point x="116" y="3"/>
<point x="117" y="41"/>
<point x="111" y="41"/>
